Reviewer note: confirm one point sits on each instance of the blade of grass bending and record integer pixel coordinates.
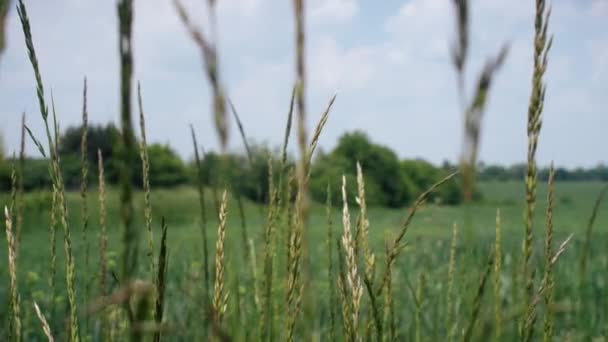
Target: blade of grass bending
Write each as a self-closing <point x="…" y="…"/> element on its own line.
<point x="396" y="246"/>
<point x="241" y="129"/>
<point x="45" y="325"/>
<point x="317" y="133"/>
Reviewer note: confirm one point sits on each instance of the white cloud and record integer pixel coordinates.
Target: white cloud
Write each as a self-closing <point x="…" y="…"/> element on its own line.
<point x="393" y="75"/>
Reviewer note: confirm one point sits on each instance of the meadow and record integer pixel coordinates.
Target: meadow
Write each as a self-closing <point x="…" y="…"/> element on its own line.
<point x="420" y="308"/>
<point x="526" y="261"/>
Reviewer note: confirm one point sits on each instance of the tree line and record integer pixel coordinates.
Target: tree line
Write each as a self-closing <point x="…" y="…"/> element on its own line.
<point x="389" y="180"/>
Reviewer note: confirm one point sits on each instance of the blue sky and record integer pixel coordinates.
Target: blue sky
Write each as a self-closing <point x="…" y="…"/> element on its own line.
<point x="387" y="60"/>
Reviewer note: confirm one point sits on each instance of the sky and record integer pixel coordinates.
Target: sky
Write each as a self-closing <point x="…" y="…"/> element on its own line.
<point x="388" y="62"/>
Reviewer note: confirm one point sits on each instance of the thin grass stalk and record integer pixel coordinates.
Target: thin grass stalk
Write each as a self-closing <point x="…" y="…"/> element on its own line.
<point x="219" y="300"/>
<point x="473" y="119"/>
<point x="45" y="325"/>
<point x="497" y="279"/>
<point x="103" y="238"/>
<point x="14" y="186"/>
<point x="84" y="174"/>
<point x="210" y="62"/>
<point x="288" y="127"/>
<point x="130" y="232"/>
<point x="301" y="198"/>
<point x="461" y="47"/>
<point x="468" y="333"/>
<point x="531" y="316"/>
<point x="397" y="246"/>
<point x="53" y="249"/>
<point x="317" y="133"/>
<point x="14" y="320"/>
<point x="161" y="281"/>
<point x="294" y="264"/>
<point x="377" y="320"/>
<point x="548" y="322"/>
<point x="301" y="86"/>
<point x="203" y="210"/>
<point x="364" y="224"/>
<point x="389" y="303"/>
<point x="54" y="171"/>
<point x="269" y="251"/>
<point x="20" y="189"/>
<point x="145" y="165"/>
<point x="353" y="281"/>
<point x="241" y="128"/>
<point x="542" y="46"/>
<point x="346" y="304"/>
<point x="450" y="325"/>
<point x="330" y="268"/>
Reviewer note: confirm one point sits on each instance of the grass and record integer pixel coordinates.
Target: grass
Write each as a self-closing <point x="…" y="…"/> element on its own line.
<point x="428" y="285"/>
<point x="428" y="250"/>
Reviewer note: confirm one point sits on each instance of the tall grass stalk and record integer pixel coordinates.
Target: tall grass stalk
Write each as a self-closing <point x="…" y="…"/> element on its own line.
<point x="330" y="268"/>
<point x="84" y="174"/>
<point x="161" y="282"/>
<point x="130" y="232"/>
<point x="210" y="62"/>
<point x="548" y="322"/>
<point x="389" y="302"/>
<point x="269" y="252"/>
<point x="542" y="46"/>
<point x="530" y="318"/>
<point x="476" y="308"/>
<point x="497" y="279"/>
<point x="14" y="319"/>
<point x="54" y="171"/>
<point x="145" y="164"/>
<point x="353" y="280"/>
<point x="45" y="325"/>
<point x="203" y="210"/>
<point x="103" y="237"/>
<point x="342" y="290"/>
<point x="450" y="325"/>
<point x="219" y="299"/>
<point x="53" y="249"/>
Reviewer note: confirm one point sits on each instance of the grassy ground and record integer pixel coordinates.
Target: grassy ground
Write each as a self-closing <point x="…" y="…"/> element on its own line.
<point x="580" y="310"/>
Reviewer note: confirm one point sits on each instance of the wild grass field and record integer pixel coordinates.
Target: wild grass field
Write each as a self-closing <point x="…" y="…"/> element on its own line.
<point x="420" y="308"/>
<point x="525" y="262"/>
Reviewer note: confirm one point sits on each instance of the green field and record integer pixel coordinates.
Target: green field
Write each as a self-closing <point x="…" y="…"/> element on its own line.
<point x="419" y="307"/>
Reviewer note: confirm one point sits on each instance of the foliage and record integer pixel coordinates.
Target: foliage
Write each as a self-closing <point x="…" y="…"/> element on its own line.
<point x="166" y="168"/>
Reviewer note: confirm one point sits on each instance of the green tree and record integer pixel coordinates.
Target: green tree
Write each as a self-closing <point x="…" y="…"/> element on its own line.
<point x="385" y="184"/>
<point x="166" y="167"/>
